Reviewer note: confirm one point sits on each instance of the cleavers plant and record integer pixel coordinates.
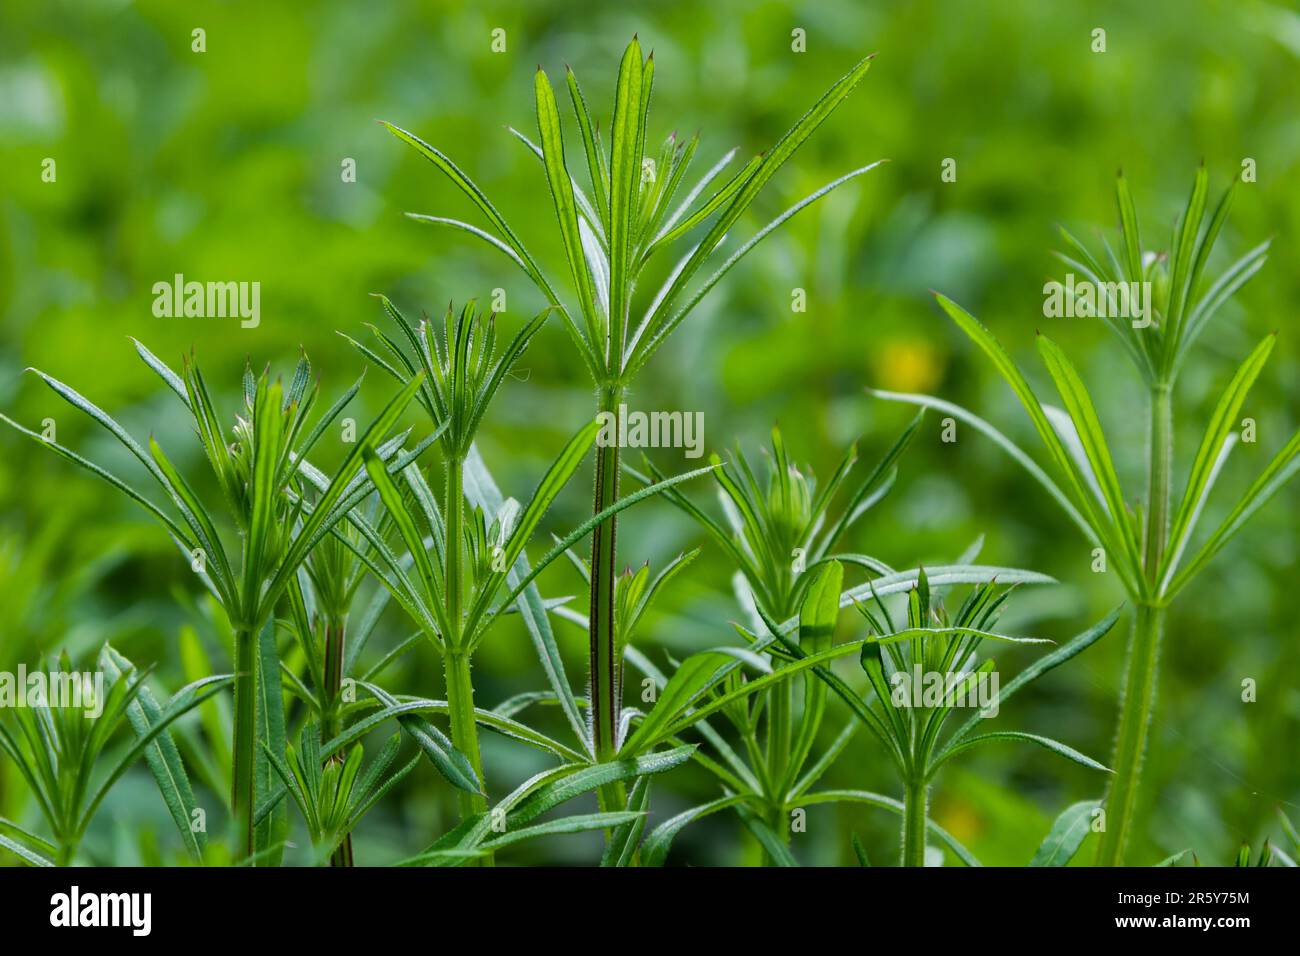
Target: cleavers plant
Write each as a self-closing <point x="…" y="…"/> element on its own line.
<point x="254" y="467"/>
<point x="1148" y="545"/>
<point x="609" y="238"/>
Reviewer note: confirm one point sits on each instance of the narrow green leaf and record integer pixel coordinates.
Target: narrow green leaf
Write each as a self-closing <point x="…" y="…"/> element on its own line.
<point x="623" y="842"/>
<point x="692" y="678"/>
<point x="1208" y="455"/>
<point x="624" y="186"/>
<point x="1067" y="834"/>
<point x="562" y="195"/>
<point x="1069" y="753"/>
<point x="1084" y="415"/>
<point x="1071" y="648"/>
<point x="163" y="758"/>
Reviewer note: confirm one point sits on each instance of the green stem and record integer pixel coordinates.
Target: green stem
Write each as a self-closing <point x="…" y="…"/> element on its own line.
<point x="454" y="509"/>
<point x="1142" y="664"/>
<point x="243" y="773"/>
<point x="464" y="730"/>
<point x="334" y="644"/>
<point x="1161" y="451"/>
<point x="779" y="720"/>
<point x="66" y="854"/>
<point x="455" y="660"/>
<point x="604" y="658"/>
<point x="331" y="725"/>
<point x="1136" y="707"/>
<point x="915" y="797"/>
<point x="604" y="664"/>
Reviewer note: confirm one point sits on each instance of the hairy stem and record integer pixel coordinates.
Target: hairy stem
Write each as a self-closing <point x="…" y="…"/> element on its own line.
<point x="464" y="730"/>
<point x="604" y="663"/>
<point x="915" y="797"/>
<point x="1161" y="451"/>
<point x="243" y="773"/>
<point x="1136" y="707"/>
<point x="604" y="658"/>
<point x="331" y="724"/>
<point x="454" y="510"/>
<point x="1142" y="665"/>
<point x="779" y="720"/>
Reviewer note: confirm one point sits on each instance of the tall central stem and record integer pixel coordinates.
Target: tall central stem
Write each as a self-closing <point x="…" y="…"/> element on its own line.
<point x="331" y="719"/>
<point x="456" y="657"/>
<point x="243" y="771"/>
<point x="605" y="703"/>
<point x="464" y="730"/>
<point x="915" y="797"/>
<point x="1142" y="665"/>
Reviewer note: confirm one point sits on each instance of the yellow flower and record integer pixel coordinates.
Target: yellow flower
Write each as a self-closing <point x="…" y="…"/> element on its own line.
<point x="907" y="365"/>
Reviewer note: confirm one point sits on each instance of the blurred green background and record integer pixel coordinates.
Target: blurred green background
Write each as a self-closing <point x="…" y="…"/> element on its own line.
<point x="225" y="165"/>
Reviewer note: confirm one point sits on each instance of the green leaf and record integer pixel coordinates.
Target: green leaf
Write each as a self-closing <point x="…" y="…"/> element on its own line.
<point x="1188" y="230"/>
<point x="562" y="195"/>
<point x="982" y="337"/>
<point x="325" y="514"/>
<point x="661" y="327"/>
<point x="271" y="834"/>
<point x="580" y="823"/>
<point x="433" y="743"/>
<point x="1224" y="288"/>
<point x="767" y="837"/>
<point x="482" y="491"/>
<point x="556" y="477"/>
<point x="1041" y="666"/>
<point x="767" y="167"/>
<point x="27" y="854"/>
<point x="163" y="758"/>
<point x="584" y="529"/>
<point x="860" y="852"/>
<point x="490" y="719"/>
<point x="941" y="575"/>
<point x="1058" y="748"/>
<point x="921" y="633"/>
<point x="430" y="603"/>
<point x="1129" y="228"/>
<point x="1280" y="470"/>
<point x="1209" y="455"/>
<point x="182" y="702"/>
<point x="755" y="685"/>
<point x="1066" y="835"/>
<point x="623" y="843"/>
<point x="1005" y="443"/>
<point x="476" y="195"/>
<point x="593" y="777"/>
<point x="595" y="159"/>
<point x="624" y="186"/>
<point x="821" y="608"/>
<point x="181" y="536"/>
<point x="264" y="491"/>
<point x="1088" y="426"/>
<point x="692" y="678"/>
<point x="655" y="849"/>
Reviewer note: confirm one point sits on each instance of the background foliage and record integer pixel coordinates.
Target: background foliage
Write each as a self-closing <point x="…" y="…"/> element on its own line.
<point x="225" y="166"/>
